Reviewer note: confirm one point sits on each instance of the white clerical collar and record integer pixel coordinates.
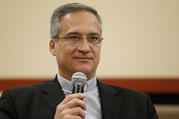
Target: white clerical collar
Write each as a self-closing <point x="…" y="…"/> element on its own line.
<point x="66" y="84"/>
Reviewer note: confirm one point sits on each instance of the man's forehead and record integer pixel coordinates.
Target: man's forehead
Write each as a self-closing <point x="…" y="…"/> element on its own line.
<point x="77" y="13"/>
<point x="78" y="21"/>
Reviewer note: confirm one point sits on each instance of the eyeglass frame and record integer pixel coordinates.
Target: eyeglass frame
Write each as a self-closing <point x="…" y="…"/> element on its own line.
<point x="78" y="40"/>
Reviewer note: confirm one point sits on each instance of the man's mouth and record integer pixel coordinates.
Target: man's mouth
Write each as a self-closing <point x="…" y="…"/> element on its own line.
<point x="83" y="59"/>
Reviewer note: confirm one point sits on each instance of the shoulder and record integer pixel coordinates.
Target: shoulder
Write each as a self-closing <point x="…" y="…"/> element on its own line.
<point x="27" y="91"/>
<point x="32" y="87"/>
<point x="124" y="92"/>
<point x="130" y="101"/>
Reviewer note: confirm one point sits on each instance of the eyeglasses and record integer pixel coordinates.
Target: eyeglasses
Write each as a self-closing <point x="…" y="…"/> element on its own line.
<point x="76" y="39"/>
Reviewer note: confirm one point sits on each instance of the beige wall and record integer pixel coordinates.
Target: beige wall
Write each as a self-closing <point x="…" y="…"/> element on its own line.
<point x="141" y="37"/>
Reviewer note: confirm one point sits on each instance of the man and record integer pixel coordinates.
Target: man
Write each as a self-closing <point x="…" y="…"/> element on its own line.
<point x="76" y="37"/>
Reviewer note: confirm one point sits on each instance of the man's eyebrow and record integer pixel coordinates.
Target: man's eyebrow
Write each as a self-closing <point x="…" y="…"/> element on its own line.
<point x="94" y="34"/>
<point x="77" y="33"/>
<point x="73" y="33"/>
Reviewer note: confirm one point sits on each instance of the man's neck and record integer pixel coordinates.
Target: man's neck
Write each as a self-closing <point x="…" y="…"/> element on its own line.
<point x="68" y="76"/>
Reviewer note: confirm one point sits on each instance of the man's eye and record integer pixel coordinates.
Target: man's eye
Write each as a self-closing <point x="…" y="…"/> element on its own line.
<point x="93" y="38"/>
<point x="73" y="37"/>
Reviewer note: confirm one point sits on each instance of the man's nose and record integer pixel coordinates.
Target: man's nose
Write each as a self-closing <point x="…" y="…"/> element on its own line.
<point x="84" y="46"/>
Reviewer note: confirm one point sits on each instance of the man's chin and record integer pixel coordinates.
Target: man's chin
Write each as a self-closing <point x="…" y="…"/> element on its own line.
<point x="85" y="70"/>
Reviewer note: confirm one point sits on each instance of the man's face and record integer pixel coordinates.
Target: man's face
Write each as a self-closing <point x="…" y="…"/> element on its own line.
<point x="82" y="57"/>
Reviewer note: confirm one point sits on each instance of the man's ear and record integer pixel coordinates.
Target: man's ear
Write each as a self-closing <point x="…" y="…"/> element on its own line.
<point x="52" y="47"/>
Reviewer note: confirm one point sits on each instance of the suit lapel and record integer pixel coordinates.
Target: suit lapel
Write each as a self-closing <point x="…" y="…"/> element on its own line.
<point x="110" y="103"/>
<point x="53" y="94"/>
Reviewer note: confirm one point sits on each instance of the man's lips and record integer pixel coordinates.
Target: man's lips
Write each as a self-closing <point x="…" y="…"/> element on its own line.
<point x="83" y="58"/>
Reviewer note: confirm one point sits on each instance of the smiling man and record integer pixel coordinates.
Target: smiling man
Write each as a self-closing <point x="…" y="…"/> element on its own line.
<point x="76" y="39"/>
<point x="77" y="46"/>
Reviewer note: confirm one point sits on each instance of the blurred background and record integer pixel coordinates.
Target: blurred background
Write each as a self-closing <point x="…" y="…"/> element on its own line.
<point x="141" y="42"/>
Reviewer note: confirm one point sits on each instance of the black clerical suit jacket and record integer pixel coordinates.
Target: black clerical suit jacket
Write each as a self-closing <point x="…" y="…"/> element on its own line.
<point x="39" y="101"/>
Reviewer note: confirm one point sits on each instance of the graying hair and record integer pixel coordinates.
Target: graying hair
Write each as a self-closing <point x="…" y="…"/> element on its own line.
<point x="65" y="9"/>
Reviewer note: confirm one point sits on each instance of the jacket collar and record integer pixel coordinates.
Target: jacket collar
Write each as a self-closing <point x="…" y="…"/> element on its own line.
<point x="110" y="102"/>
<point x="52" y="94"/>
